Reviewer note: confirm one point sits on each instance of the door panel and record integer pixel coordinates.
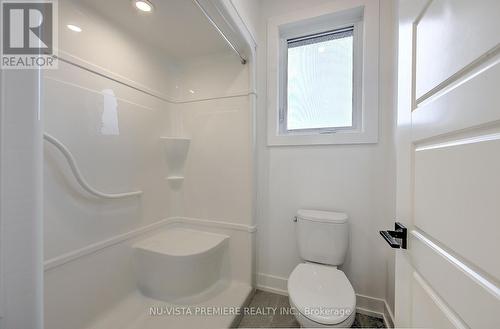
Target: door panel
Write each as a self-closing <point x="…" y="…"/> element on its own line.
<point x="457" y="198"/>
<point x="452" y="34"/>
<point x="448" y="176"/>
<point x="465" y="291"/>
<point x="475" y="102"/>
<point x="429" y="310"/>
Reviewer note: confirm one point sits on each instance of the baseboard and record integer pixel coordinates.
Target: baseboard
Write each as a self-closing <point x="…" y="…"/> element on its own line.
<point x="376" y="307"/>
<point x="273" y="290"/>
<point x="272" y="283"/>
<point x="368" y="305"/>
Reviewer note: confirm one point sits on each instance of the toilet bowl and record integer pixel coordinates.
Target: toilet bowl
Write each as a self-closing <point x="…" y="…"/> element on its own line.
<point x="322" y="296"/>
<point x="320" y="293"/>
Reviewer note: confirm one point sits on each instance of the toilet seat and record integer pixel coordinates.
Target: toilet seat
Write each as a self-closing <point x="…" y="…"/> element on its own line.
<point x="321" y="293"/>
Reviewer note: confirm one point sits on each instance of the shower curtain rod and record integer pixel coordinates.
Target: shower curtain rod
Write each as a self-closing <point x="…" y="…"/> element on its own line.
<point x="233" y="47"/>
<point x="78" y="174"/>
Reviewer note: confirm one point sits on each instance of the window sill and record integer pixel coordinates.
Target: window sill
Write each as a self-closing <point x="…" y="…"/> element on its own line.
<point x="338" y="138"/>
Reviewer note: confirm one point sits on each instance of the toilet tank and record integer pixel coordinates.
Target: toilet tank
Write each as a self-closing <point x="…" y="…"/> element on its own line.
<point x="322" y="236"/>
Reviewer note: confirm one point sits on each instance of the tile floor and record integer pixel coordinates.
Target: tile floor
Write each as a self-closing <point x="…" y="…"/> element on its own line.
<point x="270" y="312"/>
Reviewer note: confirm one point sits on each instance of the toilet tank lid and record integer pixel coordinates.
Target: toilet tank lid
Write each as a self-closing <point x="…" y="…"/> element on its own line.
<point x="322" y="216"/>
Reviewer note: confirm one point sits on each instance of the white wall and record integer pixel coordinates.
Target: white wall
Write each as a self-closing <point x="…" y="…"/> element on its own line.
<point x="113" y="132"/>
<point x="111" y="129"/>
<point x="218" y="183"/>
<point x="103" y="46"/>
<point x="218" y="172"/>
<point x="357" y="179"/>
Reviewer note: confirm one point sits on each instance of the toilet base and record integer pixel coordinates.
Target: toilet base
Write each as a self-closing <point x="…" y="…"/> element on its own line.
<point x="308" y="323"/>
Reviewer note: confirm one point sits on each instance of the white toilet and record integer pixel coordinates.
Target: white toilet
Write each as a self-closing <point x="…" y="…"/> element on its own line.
<point x="321" y="294"/>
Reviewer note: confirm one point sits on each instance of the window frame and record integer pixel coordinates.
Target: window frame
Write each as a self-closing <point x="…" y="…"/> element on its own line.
<point x="357" y="27"/>
<point x="316" y="19"/>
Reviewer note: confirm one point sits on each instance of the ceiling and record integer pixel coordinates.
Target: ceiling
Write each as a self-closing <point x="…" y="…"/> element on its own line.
<point x="178" y="27"/>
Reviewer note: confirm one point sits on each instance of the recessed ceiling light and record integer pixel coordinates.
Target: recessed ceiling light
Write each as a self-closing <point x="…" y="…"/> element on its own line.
<point x="144" y="5"/>
<point x="74" y="28"/>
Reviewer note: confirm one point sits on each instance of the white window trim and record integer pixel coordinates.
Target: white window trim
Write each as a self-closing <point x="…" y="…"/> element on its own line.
<point x="342" y="13"/>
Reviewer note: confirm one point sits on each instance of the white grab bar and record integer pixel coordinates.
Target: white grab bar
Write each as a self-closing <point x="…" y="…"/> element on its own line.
<point x="78" y="175"/>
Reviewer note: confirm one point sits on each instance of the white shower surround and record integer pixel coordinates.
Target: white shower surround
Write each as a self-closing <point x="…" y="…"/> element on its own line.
<point x="88" y="242"/>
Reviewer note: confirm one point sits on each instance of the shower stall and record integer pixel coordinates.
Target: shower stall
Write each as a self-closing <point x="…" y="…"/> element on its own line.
<point x="148" y="166"/>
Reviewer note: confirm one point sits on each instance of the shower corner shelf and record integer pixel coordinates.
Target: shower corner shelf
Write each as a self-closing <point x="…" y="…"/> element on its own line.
<point x="176" y="151"/>
<point x="186" y="139"/>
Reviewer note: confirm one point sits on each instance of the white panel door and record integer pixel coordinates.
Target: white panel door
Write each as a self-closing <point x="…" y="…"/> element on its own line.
<point x="448" y="175"/>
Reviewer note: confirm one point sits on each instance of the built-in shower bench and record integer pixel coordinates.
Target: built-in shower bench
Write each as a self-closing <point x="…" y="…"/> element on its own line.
<point x="179" y="263"/>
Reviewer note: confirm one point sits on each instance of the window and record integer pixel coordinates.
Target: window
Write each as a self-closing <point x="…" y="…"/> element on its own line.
<point x="323" y="73"/>
<point x="319" y="83"/>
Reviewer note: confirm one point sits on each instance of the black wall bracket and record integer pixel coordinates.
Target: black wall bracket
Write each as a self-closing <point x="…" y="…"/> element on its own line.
<point x="397" y="238"/>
